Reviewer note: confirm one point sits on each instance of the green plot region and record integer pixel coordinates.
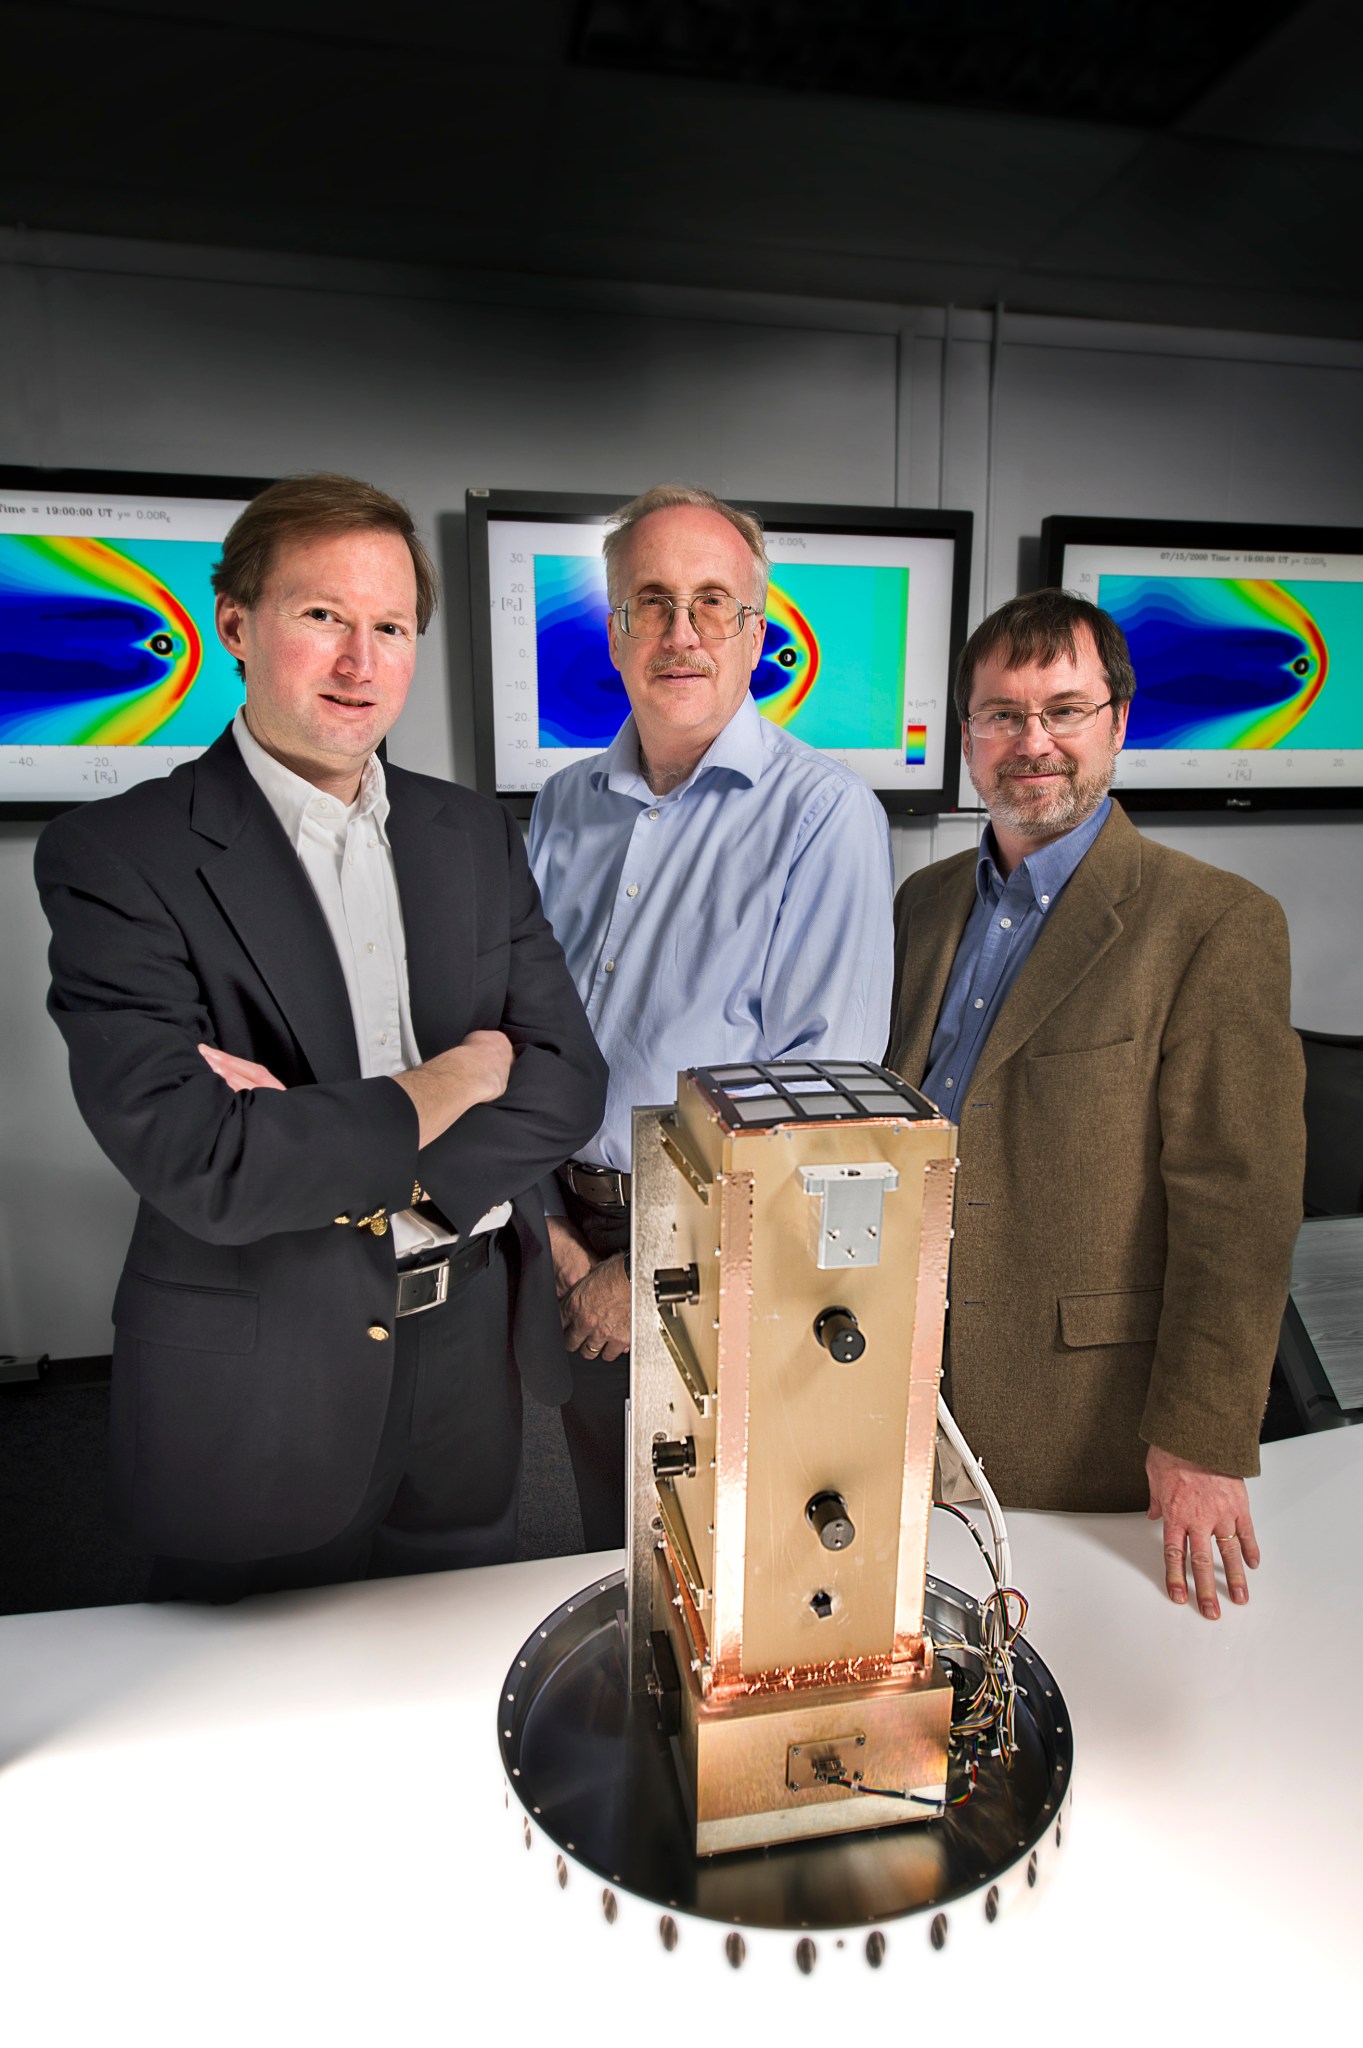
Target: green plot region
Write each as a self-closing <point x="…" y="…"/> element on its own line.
<point x="832" y="666"/>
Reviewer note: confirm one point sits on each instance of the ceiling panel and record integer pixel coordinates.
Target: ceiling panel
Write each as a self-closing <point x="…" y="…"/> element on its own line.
<point x="1187" y="162"/>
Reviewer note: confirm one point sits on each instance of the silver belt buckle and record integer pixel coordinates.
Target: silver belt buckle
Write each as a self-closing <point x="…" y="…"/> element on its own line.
<point x="432" y="1282"/>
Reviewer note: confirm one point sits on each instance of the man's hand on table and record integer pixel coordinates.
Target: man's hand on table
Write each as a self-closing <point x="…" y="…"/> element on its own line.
<point x="1198" y="1508"/>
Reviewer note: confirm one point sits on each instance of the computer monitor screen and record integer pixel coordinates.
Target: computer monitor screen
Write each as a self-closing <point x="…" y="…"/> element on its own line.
<point x="1247" y="642"/>
<point x="110" y="670"/>
<point x="865" y="615"/>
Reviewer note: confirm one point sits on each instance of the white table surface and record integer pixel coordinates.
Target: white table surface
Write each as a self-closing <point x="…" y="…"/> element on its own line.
<point x="284" y="1822"/>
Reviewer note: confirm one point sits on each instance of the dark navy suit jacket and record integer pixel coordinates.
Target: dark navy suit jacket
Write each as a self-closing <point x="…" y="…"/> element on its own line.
<point x="248" y="1394"/>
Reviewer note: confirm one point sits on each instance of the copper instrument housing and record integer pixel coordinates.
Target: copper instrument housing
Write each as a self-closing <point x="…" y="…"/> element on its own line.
<point x="724" y="1561"/>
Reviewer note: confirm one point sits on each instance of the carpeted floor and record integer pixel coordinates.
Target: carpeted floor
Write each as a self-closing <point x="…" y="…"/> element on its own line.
<point x="550" y="1523"/>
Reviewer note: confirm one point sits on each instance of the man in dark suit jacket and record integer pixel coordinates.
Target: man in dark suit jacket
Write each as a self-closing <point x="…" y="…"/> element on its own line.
<point x="316" y="1017"/>
<point x="1107" y="1021"/>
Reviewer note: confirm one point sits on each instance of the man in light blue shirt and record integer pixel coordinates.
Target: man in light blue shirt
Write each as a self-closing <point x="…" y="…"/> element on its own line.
<point x="722" y="893"/>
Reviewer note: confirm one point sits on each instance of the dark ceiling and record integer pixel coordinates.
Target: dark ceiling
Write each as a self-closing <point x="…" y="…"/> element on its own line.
<point x="1198" y="162"/>
<point x="1144" y="64"/>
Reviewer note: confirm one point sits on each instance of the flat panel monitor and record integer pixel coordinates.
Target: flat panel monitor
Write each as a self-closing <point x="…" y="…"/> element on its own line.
<point x="1247" y="642"/>
<point x="110" y="670"/>
<point x="865" y="616"/>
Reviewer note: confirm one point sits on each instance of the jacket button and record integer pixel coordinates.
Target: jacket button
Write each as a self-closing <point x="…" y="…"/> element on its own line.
<point x="378" y="1332"/>
<point x="340" y="1219"/>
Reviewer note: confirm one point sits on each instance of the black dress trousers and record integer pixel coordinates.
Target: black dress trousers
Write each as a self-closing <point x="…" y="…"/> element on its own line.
<point x="445" y="1487"/>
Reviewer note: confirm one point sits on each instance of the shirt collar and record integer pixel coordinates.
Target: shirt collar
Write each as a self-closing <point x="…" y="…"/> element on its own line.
<point x="1050" y="867"/>
<point x="291" y="797"/>
<point x="736" y="748"/>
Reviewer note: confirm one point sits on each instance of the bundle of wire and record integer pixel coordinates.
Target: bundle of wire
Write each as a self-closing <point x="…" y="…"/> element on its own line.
<point x="982" y="1719"/>
<point x="986" y="1715"/>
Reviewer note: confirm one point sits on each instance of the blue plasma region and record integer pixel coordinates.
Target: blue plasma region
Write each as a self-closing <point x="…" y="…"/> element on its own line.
<point x="61" y="650"/>
<point x="1200" y="655"/>
<point x="582" y="701"/>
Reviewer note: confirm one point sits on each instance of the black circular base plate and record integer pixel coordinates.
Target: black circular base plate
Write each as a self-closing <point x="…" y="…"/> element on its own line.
<point x="593" y="1768"/>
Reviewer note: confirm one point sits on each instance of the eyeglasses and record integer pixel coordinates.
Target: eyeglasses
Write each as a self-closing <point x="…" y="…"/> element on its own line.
<point x="712" y="615"/>
<point x="1056" y="719"/>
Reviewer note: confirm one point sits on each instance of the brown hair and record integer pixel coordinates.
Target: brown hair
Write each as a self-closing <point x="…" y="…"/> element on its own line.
<point x="303" y="507"/>
<point x="1039" y="628"/>
<point x="662" y="498"/>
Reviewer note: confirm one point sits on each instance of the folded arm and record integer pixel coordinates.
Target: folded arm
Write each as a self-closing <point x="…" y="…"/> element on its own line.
<point x="227" y="1167"/>
<point x="556" y="1089"/>
<point x="440" y="1089"/>
<point x="232" y="1165"/>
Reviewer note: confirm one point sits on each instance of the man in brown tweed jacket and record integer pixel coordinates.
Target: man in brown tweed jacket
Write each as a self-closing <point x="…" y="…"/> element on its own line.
<point x="1108" y="1023"/>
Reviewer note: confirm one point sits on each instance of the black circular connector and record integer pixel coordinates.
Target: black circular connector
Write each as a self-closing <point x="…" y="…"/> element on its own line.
<point x="827" y="1516"/>
<point x="838" y="1331"/>
<point x="674" y="1284"/>
<point x="674" y="1458"/>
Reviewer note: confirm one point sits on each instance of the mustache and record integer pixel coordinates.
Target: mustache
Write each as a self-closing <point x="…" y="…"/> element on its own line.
<point x="690" y="666"/>
<point x="1023" y="771"/>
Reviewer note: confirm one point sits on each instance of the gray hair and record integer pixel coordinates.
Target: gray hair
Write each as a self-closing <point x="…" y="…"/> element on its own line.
<point x="662" y="498"/>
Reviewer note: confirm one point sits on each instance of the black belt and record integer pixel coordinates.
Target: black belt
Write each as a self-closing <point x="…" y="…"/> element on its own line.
<point x="602" y="1186"/>
<point x="427" y="1285"/>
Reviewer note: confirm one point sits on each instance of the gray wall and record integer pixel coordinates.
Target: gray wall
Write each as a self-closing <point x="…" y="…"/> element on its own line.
<point x="120" y="355"/>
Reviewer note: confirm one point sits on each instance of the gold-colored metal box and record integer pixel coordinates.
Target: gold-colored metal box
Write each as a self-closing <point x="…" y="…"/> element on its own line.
<point x="791" y="1231"/>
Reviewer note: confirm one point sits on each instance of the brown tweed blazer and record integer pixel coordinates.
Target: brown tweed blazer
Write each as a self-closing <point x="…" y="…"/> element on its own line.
<point x="1132" y="1150"/>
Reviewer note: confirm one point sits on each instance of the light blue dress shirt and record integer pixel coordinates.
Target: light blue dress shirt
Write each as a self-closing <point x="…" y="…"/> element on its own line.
<point x="1000" y="932"/>
<point x="745" y="915"/>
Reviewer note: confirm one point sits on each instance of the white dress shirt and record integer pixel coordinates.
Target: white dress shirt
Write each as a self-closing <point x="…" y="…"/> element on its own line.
<point x="346" y="856"/>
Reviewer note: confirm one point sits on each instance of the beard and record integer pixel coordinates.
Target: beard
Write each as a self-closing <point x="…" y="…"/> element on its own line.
<point x="1005" y="794"/>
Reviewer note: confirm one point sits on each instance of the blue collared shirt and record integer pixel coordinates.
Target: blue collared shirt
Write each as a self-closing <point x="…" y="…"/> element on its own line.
<point x="1002" y="929"/>
<point x="745" y="915"/>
